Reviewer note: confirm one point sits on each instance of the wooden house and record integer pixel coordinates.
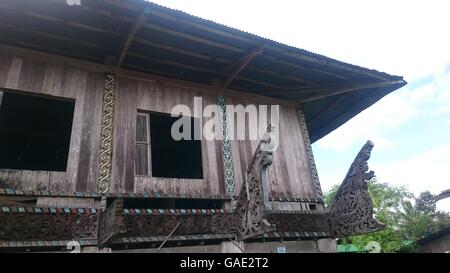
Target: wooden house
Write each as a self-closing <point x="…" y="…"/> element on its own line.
<point x="86" y="92"/>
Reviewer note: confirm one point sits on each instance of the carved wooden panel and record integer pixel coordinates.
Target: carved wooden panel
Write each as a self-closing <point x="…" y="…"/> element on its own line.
<point x="299" y="221"/>
<point x="47" y="226"/>
<point x="253" y="202"/>
<point x="106" y="139"/>
<point x="163" y="224"/>
<point x="351" y="211"/>
<point x="111" y="223"/>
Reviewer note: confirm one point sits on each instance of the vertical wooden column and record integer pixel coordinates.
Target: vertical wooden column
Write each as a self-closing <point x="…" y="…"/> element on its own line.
<point x="106" y="138"/>
<point x="309" y="153"/>
<point x="227" y="154"/>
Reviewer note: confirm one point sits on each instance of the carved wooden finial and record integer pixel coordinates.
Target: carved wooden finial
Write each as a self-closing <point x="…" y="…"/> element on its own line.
<point x="351" y="212"/>
<point x="253" y="201"/>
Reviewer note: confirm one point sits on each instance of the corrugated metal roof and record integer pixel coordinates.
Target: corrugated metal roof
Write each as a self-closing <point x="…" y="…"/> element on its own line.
<point x="175" y="44"/>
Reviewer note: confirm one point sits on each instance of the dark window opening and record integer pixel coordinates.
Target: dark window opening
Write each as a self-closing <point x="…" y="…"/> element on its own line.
<point x="312" y="206"/>
<point x="172" y="203"/>
<point x="34" y="132"/>
<point x="171" y="158"/>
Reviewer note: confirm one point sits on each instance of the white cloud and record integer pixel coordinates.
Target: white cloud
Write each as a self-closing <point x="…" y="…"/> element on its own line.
<point x="430" y="99"/>
<point x="427" y="171"/>
<point x="373" y="123"/>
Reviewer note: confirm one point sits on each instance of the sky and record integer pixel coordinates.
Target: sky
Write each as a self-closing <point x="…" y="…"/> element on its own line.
<point x="411" y="126"/>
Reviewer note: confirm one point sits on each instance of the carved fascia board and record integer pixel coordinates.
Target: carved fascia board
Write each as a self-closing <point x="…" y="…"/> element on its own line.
<point x="309" y="154"/>
<point x="253" y="205"/>
<point x="106" y="137"/>
<point x="351" y="212"/>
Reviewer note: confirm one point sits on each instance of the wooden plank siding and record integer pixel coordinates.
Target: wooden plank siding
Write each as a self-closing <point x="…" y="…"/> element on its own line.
<point x="57" y="80"/>
<point x="289" y="174"/>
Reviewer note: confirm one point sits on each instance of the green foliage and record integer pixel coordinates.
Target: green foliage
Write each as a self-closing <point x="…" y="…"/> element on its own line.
<point x="405" y="223"/>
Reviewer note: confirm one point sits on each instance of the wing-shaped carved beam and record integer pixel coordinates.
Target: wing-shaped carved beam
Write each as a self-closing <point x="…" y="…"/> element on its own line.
<point x="253" y="205"/>
<point x="351" y="212"/>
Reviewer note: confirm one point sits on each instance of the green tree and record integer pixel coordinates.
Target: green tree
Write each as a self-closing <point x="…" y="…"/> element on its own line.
<point x="405" y="222"/>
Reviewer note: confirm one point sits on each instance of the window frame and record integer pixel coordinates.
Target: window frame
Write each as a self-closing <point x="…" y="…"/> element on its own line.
<point x="149" y="174"/>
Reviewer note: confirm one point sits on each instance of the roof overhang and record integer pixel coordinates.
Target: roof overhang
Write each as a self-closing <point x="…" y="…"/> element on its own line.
<point x="145" y="37"/>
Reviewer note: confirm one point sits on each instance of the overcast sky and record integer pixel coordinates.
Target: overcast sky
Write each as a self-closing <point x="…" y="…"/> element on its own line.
<point x="410" y="127"/>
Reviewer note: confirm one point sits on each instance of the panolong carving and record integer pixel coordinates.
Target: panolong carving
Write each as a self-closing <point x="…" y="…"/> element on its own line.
<point x="351" y="212"/>
<point x="253" y="204"/>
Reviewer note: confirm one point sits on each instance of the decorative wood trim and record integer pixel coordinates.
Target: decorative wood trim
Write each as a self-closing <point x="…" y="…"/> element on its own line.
<point x="55" y="224"/>
<point x="112" y="195"/>
<point x="111" y="223"/>
<point x="227" y="154"/>
<point x="351" y="212"/>
<point x="106" y="138"/>
<point x="309" y="153"/>
<point x="253" y="205"/>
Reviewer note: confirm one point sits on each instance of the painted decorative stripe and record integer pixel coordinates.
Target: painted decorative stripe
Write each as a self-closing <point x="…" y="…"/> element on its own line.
<point x="12" y="244"/>
<point x="227" y="154"/>
<point x="49" y="210"/>
<point x="290" y="199"/>
<point x="112" y="195"/>
<point x="294" y="235"/>
<point x="173" y="238"/>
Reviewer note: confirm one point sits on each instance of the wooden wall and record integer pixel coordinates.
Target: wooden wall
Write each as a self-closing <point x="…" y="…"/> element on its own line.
<point x="438" y="245"/>
<point x="289" y="174"/>
<point x="86" y="88"/>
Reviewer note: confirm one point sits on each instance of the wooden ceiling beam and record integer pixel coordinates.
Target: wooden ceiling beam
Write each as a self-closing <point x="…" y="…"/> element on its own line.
<point x="228" y="34"/>
<point x="359" y="87"/>
<point x="219" y="60"/>
<point x="137" y="25"/>
<point x="187" y="36"/>
<point x="240" y="65"/>
<point x="205" y="70"/>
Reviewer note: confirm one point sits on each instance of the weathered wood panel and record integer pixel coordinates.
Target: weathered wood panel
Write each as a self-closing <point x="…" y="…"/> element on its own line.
<point x="289" y="174"/>
<point x="62" y="81"/>
<point x="133" y="96"/>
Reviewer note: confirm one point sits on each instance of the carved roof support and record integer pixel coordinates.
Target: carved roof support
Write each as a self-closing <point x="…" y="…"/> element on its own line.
<point x="253" y="205"/>
<point x="351" y="212"/>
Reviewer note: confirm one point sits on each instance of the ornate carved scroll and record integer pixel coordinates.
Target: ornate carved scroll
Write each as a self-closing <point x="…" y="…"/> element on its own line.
<point x="111" y="223"/>
<point x="226" y="147"/>
<point x="309" y="153"/>
<point x="48" y="226"/>
<point x="253" y="205"/>
<point x="351" y="212"/>
<point x="106" y="138"/>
